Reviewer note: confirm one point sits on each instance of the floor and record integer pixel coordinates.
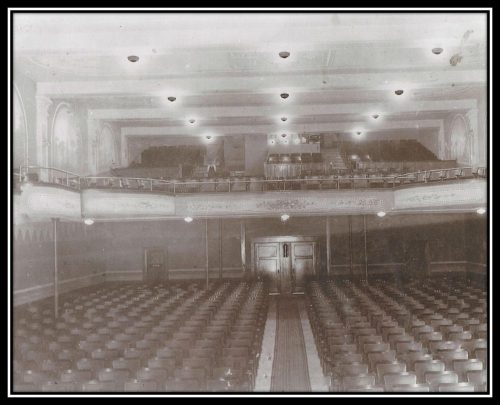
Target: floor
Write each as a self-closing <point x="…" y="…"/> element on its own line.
<point x="289" y="361"/>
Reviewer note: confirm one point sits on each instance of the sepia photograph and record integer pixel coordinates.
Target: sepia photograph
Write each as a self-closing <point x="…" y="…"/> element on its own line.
<point x="249" y="202"/>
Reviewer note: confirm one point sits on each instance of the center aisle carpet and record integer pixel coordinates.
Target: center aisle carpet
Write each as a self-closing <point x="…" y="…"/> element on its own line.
<point x="290" y="371"/>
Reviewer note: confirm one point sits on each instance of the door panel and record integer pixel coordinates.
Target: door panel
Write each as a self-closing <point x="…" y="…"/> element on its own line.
<point x="155" y="265"/>
<point x="267" y="264"/>
<point x="303" y="263"/>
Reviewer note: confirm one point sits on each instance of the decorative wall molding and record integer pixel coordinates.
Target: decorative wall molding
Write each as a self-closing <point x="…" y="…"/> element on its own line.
<point x="45" y="202"/>
<point x="463" y="193"/>
<point x="105" y="204"/>
<point x="294" y="202"/>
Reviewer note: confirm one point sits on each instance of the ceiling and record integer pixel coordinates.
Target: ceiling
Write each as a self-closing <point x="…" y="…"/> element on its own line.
<point x="225" y="70"/>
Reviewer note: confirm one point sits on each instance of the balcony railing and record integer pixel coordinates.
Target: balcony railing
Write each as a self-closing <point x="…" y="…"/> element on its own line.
<point x="241" y="184"/>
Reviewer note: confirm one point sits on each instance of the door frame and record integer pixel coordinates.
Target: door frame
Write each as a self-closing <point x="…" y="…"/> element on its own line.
<point x="165" y="276"/>
<point x="285" y="239"/>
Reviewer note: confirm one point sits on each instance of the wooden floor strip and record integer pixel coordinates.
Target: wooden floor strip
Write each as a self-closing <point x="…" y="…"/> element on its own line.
<point x="290" y="371"/>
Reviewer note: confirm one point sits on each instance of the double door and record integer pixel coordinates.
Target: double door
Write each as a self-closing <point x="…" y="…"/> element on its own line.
<point x="285" y="261"/>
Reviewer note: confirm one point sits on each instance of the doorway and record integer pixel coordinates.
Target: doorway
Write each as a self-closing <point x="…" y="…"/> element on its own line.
<point x="286" y="262"/>
<point x="154" y="266"/>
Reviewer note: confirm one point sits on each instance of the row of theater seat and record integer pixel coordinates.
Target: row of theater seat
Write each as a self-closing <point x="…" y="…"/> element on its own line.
<point x="131" y="338"/>
<point x="377" y="337"/>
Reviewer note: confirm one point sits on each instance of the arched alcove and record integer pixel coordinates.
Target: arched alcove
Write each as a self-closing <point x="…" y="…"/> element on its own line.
<point x="65" y="141"/>
<point x="106" y="150"/>
<point x="460" y="141"/>
<point x="20" y="127"/>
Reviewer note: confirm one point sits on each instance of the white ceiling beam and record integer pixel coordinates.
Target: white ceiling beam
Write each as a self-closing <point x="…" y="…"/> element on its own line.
<point x="174" y="31"/>
<point x="269" y="129"/>
<point x="293" y="110"/>
<point x="292" y="83"/>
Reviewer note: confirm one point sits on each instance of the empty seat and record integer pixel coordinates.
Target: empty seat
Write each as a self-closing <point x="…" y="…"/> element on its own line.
<point x="461" y="367"/>
<point x="478" y="378"/>
<point x="353" y="369"/>
<point x="140" y="386"/>
<point x="449" y="356"/>
<point x="426" y="366"/>
<point x="456" y="387"/>
<point x="381" y="357"/>
<point x="352" y="381"/>
<point x="397" y="379"/>
<point x="389" y="368"/>
<point x="436" y="378"/>
<point x="411" y="388"/>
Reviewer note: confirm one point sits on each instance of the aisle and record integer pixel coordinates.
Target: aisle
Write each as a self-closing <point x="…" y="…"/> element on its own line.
<point x="290" y="368"/>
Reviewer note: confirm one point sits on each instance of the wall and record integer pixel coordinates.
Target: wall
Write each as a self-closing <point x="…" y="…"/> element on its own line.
<point x="79" y="264"/>
<point x="457" y="243"/>
<point x="255" y="154"/>
<point x="183" y="244"/>
<point x="26" y="90"/>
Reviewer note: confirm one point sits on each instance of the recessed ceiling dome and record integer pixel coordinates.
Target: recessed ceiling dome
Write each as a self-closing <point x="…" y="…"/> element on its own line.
<point x="171" y="99"/>
<point x="399" y="92"/>
<point x="284" y="119"/>
<point x="284" y="95"/>
<point x="437" y="51"/>
<point x="133" y="58"/>
<point x="284" y="54"/>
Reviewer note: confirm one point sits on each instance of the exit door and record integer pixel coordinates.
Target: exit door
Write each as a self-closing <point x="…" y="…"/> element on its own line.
<point x="154" y="266"/>
<point x="285" y="262"/>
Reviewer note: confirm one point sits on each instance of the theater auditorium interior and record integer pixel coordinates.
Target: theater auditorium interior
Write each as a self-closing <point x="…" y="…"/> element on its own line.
<point x="252" y="203"/>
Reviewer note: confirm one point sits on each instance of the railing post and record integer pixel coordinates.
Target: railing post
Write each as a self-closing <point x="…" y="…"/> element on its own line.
<point x="229" y="188"/>
<point x="174" y="187"/>
<point x="67" y="179"/>
<point x="151" y="185"/>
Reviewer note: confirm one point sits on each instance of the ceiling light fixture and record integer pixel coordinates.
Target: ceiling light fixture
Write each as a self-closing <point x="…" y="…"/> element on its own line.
<point x="437" y="51"/>
<point x="208" y="137"/>
<point x="88" y="221"/>
<point x="283" y="135"/>
<point x="285" y="217"/>
<point x="188" y="219"/>
<point x="284" y="119"/>
<point x="375" y="116"/>
<point x="399" y="92"/>
<point x="381" y="214"/>
<point x="133" y="58"/>
<point x="171" y="99"/>
<point x="359" y="133"/>
<point x="481" y="211"/>
<point x="284" y="95"/>
<point x="192" y="120"/>
<point x="284" y="54"/>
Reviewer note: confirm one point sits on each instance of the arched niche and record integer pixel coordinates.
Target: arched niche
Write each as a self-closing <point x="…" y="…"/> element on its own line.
<point x="66" y="145"/>
<point x="20" y="126"/>
<point x="460" y="140"/>
<point x="106" y="150"/>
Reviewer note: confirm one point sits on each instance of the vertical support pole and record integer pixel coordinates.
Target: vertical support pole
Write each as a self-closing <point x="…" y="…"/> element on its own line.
<point x="56" y="275"/>
<point x="206" y="248"/>
<point x="243" y="247"/>
<point x="328" y="247"/>
<point x="366" y="256"/>
<point x="220" y="249"/>
<point x="350" y="246"/>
